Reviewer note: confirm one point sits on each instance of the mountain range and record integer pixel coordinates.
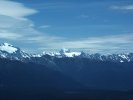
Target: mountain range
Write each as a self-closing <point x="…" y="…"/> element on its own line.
<point x="9" y="51"/>
<point x="64" y="72"/>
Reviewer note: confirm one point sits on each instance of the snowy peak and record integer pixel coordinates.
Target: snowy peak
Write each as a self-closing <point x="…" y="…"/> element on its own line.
<point x="112" y="57"/>
<point x="7" y="44"/>
<point x="63" y="53"/>
<point x="6" y="47"/>
<point x="9" y="51"/>
<point x="72" y="54"/>
<point x="68" y="53"/>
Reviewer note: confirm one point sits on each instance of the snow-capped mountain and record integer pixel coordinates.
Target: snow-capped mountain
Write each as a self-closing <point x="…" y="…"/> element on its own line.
<point x="8" y="48"/>
<point x="63" y="53"/>
<point x="128" y="57"/>
<point x="9" y="51"/>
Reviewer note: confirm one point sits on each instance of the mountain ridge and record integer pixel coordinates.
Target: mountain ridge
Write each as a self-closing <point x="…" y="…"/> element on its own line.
<point x="12" y="52"/>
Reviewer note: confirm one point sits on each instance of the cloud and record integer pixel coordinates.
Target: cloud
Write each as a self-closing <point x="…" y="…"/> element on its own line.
<point x="44" y="26"/>
<point x="119" y="43"/>
<point x="11" y="36"/>
<point x="14" y="9"/>
<point x="16" y="28"/>
<point x="126" y="7"/>
<point x="22" y="30"/>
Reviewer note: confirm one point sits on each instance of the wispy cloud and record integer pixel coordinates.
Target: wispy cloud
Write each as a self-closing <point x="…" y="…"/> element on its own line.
<point x="125" y="7"/>
<point x="108" y="43"/>
<point x="14" y="9"/>
<point x="45" y="26"/>
<point x="16" y="27"/>
<point x="10" y="36"/>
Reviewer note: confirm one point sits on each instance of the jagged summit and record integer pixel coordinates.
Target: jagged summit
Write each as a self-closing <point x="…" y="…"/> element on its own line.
<point x="7" y="44"/>
<point x="6" y="47"/>
<point x="7" y="50"/>
<point x="64" y="50"/>
<point x="63" y="53"/>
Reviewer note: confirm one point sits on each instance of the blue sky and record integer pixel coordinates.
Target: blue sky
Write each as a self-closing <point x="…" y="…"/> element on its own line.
<point x="45" y="25"/>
